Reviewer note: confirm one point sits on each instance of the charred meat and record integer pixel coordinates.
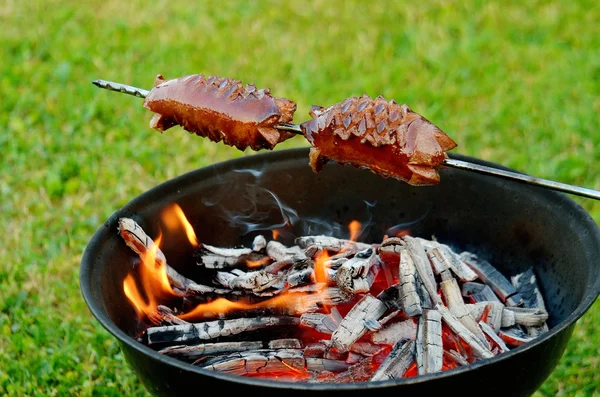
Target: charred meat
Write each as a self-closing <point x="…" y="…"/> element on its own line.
<point x="387" y="138"/>
<point x="220" y="109"/>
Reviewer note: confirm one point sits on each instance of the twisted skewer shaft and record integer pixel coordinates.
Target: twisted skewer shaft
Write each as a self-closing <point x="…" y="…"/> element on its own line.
<point x="123" y="88"/>
<point x="459" y="164"/>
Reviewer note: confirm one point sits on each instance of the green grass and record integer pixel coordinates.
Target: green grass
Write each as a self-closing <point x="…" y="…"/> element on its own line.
<point x="511" y="83"/>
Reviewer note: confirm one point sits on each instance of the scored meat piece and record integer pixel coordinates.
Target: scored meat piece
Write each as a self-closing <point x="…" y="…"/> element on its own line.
<point x="387" y="138"/>
<point x="220" y="109"/>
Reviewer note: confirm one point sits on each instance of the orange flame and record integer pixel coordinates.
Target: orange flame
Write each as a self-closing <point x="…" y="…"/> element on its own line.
<point x="275" y="233"/>
<point x="175" y="220"/>
<point x="153" y="281"/>
<point x="355" y="229"/>
<point x="293" y="303"/>
<point x="259" y="263"/>
<point x="403" y="233"/>
<point x="131" y="292"/>
<point x="321" y="267"/>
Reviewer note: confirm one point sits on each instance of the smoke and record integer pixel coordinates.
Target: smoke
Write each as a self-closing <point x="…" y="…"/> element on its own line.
<point x="257" y="209"/>
<point x="247" y="206"/>
<point x="405" y="227"/>
<point x="263" y="210"/>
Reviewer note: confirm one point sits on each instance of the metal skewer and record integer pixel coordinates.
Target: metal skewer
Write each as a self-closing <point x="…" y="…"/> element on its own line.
<point x="459" y="164"/>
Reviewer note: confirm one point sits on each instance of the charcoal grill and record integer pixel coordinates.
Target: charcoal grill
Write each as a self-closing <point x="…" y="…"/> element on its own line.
<point x="511" y="224"/>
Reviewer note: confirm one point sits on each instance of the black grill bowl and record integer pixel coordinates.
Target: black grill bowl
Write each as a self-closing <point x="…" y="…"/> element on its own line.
<point x="511" y="224"/>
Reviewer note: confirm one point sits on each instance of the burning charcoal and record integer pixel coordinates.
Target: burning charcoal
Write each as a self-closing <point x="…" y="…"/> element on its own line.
<point x="315" y="350"/>
<point x="395" y="332"/>
<point x="320" y="377"/>
<point x="255" y="281"/>
<point x="372" y="325"/>
<point x="392" y="241"/>
<point x="334" y="354"/>
<point x="259" y="243"/>
<point x="190" y="333"/>
<point x="494" y="312"/>
<point x="359" y="341"/>
<point x="492" y="277"/>
<point x="335" y="263"/>
<point x="299" y="277"/>
<point x="136" y="239"/>
<point x="340" y="255"/>
<point x="455" y="357"/>
<point x="359" y="372"/>
<point x="397" y="362"/>
<point x="327" y="243"/>
<point x="479" y="292"/>
<point x="288" y="343"/>
<point x="453" y="261"/>
<point x="353" y="358"/>
<point x="326" y="297"/>
<point x="366" y="349"/>
<point x="451" y="258"/>
<point x="222" y="258"/>
<point x="438" y="263"/>
<point x="352" y="326"/>
<point x="454" y="302"/>
<point x="428" y="245"/>
<point x="311" y="251"/>
<point x="508" y="319"/>
<point x="537" y="331"/>
<point x="429" y="343"/>
<point x="493" y="336"/>
<point x="390" y="254"/>
<point x="424" y="296"/>
<point x="411" y="302"/>
<point x="527" y="285"/>
<point x="479" y="350"/>
<point x="388" y="317"/>
<point x="529" y="317"/>
<point x="196" y="351"/>
<point x="324" y="364"/>
<point x="391" y="297"/>
<point x="476" y="310"/>
<point x="446" y="275"/>
<point x="514" y="336"/>
<point x="319" y="321"/>
<point x="353" y="275"/>
<point x="259" y="362"/>
<point x="166" y="315"/>
<point x="301" y="273"/>
<point x="280" y="252"/>
<point x="421" y="262"/>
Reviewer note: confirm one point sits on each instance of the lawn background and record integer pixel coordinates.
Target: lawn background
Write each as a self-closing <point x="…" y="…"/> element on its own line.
<point x="513" y="82"/>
